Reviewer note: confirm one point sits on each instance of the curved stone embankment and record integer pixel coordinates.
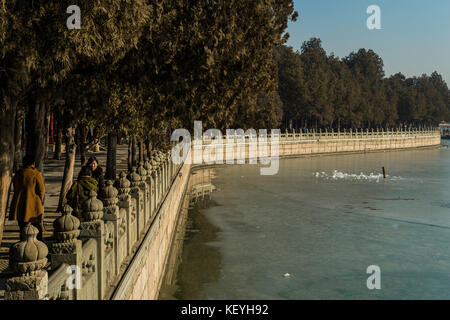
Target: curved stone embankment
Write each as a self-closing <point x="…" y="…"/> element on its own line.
<point x="293" y="145"/>
<point x="122" y="251"/>
<point x="143" y="279"/>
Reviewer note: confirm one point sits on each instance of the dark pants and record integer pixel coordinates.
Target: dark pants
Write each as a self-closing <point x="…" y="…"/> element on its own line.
<point x="38" y="224"/>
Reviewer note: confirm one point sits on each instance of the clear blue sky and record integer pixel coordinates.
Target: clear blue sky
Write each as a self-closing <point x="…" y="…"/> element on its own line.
<point x="414" y="39"/>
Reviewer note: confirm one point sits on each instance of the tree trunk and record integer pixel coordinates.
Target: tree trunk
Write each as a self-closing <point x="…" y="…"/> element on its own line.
<point x="7" y="146"/>
<point x="141" y="151"/>
<point x="111" y="156"/>
<point x="130" y="151"/>
<point x="69" y="166"/>
<point x="47" y="134"/>
<point x="18" y="141"/>
<point x="82" y="136"/>
<point x="148" y="145"/>
<point x="134" y="152"/>
<point x="36" y="133"/>
<point x="58" y="142"/>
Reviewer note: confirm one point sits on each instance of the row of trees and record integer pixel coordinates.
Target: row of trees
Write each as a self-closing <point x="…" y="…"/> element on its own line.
<point x="136" y="68"/>
<point x="320" y="90"/>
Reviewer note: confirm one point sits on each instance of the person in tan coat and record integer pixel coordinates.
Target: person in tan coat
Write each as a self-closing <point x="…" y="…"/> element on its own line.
<point x="27" y="202"/>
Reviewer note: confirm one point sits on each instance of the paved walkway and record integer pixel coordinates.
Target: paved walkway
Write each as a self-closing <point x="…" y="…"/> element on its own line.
<point x="53" y="175"/>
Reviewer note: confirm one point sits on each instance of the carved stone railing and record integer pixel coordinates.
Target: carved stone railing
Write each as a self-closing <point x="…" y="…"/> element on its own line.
<point x="331" y="134"/>
<point x="86" y="258"/>
<point x="58" y="284"/>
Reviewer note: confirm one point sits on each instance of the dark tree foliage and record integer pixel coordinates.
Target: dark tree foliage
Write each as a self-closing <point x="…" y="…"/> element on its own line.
<point x="319" y="90"/>
<point x="136" y="68"/>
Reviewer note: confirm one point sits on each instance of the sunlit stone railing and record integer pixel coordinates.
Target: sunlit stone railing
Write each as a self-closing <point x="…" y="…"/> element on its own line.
<point x="329" y="134"/>
<point x="87" y="258"/>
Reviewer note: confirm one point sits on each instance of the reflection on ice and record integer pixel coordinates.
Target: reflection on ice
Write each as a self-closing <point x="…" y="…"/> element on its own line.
<point x="337" y="175"/>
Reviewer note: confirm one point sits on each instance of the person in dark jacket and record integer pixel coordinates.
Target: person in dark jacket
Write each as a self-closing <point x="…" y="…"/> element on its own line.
<point x="80" y="190"/>
<point x="97" y="172"/>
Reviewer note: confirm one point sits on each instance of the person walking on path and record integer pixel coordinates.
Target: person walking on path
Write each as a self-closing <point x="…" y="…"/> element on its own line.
<point x="27" y="202"/>
<point x="79" y="192"/>
<point x="97" y="172"/>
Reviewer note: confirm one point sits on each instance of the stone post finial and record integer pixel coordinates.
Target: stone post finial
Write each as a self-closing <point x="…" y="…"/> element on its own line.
<point x="109" y="194"/>
<point x="67" y="226"/>
<point x="92" y="208"/>
<point x="135" y="179"/>
<point x="142" y="172"/>
<point x="154" y="163"/>
<point x="67" y="248"/>
<point x="148" y="167"/>
<point x="28" y="259"/>
<point x="29" y="255"/>
<point x="123" y="186"/>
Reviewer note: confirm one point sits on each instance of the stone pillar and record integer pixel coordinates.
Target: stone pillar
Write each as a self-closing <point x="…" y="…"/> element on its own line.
<point x="126" y="207"/>
<point x="155" y="177"/>
<point x="148" y="167"/>
<point x="136" y="194"/>
<point x="27" y="259"/>
<point x="169" y="154"/>
<point x="169" y="166"/>
<point x="68" y="248"/>
<point x="162" y="174"/>
<point x="111" y="218"/>
<point x="94" y="228"/>
<point x="144" y="187"/>
<point x="159" y="180"/>
<point x="154" y="201"/>
<point x="166" y="172"/>
<point x="164" y="166"/>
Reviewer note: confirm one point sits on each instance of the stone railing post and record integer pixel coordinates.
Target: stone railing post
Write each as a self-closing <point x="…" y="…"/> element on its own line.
<point x="155" y="182"/>
<point x="111" y="218"/>
<point x="27" y="259"/>
<point x="67" y="249"/>
<point x="160" y="183"/>
<point x="164" y="166"/>
<point x="148" y="167"/>
<point x="167" y="164"/>
<point x="169" y="161"/>
<point x="161" y="175"/>
<point x="168" y="180"/>
<point x="144" y="187"/>
<point x="137" y="196"/>
<point x="126" y="208"/>
<point x="93" y="227"/>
